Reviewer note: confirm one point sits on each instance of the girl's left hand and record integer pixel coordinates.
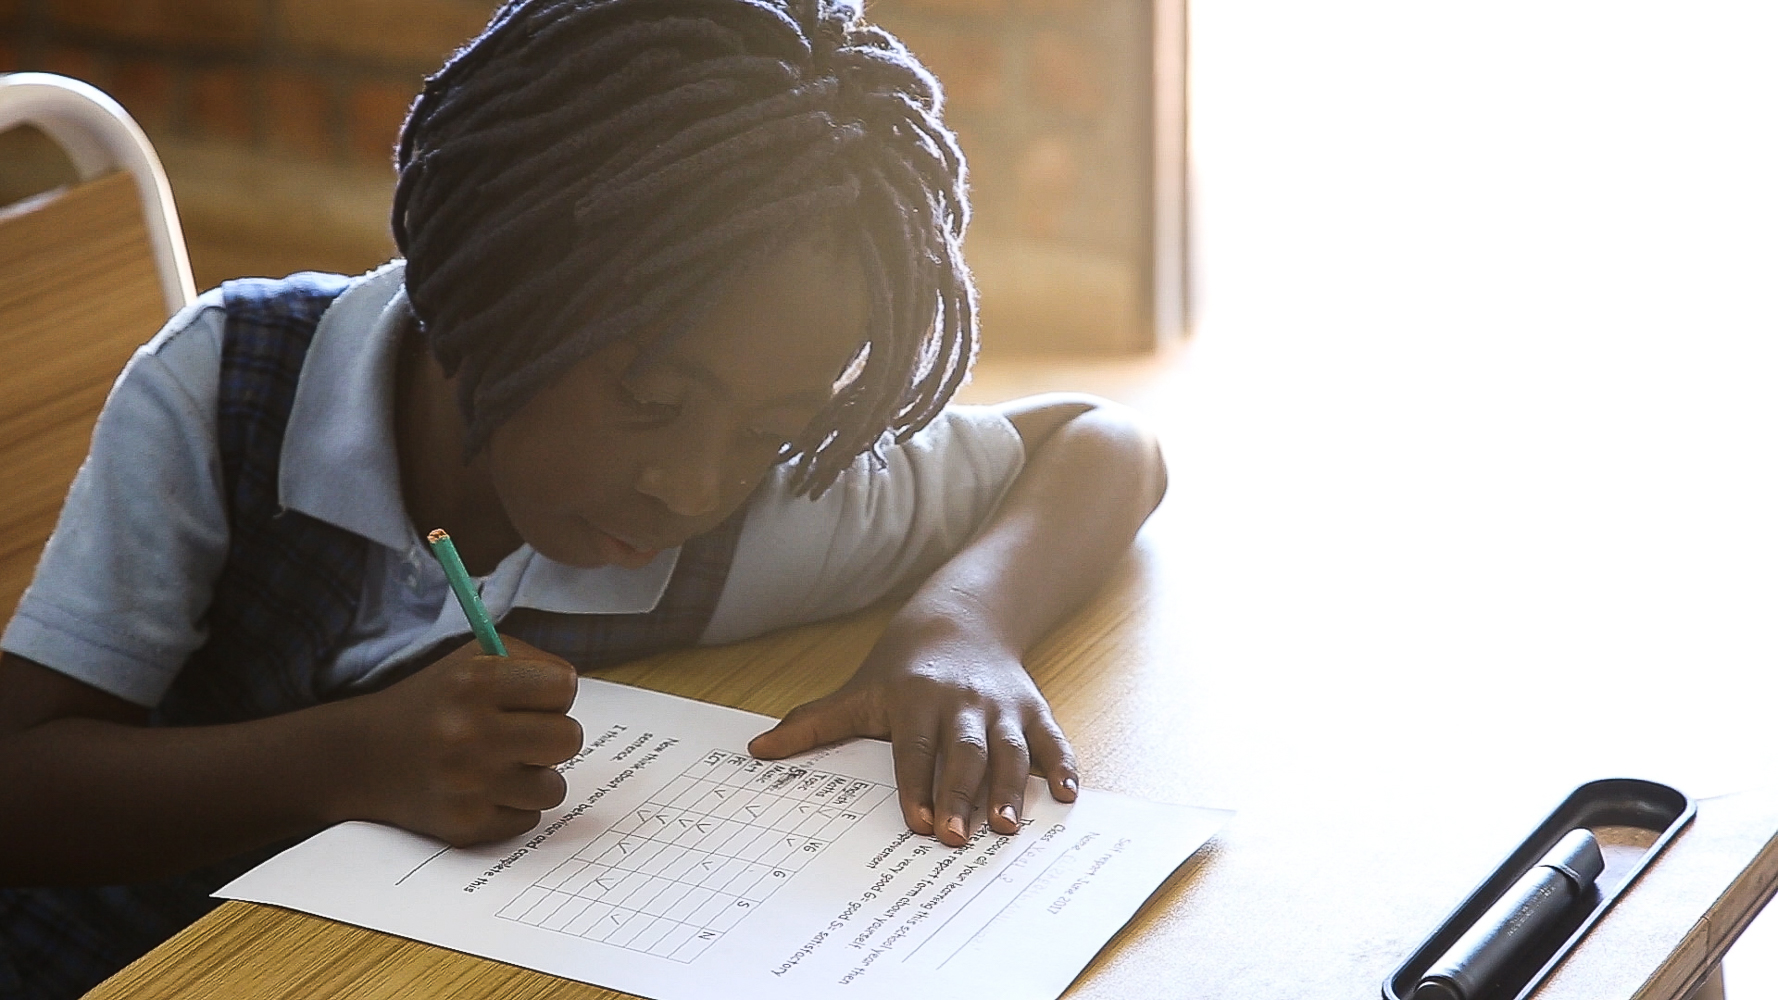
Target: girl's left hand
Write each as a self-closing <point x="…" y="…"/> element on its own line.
<point x="967" y="723"/>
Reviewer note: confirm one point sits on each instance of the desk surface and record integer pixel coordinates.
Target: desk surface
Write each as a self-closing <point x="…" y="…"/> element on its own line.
<point x="1340" y="857"/>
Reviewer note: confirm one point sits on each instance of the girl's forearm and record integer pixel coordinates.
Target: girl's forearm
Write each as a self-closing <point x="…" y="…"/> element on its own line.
<point x="944" y="682"/>
<point x="88" y="801"/>
<point x="1092" y="476"/>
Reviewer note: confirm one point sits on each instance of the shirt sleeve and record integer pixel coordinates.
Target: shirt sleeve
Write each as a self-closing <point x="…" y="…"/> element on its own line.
<point x="120" y="593"/>
<point x="879" y="527"/>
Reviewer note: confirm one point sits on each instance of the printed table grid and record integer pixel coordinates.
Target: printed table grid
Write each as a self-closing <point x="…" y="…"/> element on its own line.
<point x="685" y="867"/>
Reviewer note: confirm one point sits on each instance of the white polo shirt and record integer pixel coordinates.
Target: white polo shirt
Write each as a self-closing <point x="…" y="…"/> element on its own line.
<point x="121" y="592"/>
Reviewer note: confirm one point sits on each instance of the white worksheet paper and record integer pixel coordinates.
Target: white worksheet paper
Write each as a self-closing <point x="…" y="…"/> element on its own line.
<point x="678" y="867"/>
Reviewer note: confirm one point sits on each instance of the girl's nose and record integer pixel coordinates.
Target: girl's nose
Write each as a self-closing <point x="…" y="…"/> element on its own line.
<point x="687" y="475"/>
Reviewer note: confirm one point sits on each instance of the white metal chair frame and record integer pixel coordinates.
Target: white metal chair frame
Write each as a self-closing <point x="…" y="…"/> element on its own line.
<point x="99" y="137"/>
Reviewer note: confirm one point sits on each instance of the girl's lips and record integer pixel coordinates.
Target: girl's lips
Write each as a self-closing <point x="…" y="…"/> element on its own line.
<point x="615" y="549"/>
<point x="623" y="553"/>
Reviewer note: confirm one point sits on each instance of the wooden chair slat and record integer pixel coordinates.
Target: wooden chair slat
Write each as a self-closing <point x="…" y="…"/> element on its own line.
<point x="78" y="294"/>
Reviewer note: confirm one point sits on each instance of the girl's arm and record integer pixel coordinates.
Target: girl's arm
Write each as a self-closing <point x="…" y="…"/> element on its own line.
<point x="92" y="795"/>
<point x="946" y="681"/>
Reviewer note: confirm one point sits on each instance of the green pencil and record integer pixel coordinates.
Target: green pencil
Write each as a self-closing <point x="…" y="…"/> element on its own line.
<point x="466" y="595"/>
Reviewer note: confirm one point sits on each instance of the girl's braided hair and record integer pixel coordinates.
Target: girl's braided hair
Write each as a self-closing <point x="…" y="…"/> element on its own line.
<point x="593" y="169"/>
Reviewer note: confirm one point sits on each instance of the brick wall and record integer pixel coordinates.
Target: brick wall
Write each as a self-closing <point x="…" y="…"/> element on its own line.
<point x="1051" y="100"/>
<point x="276" y="120"/>
<point x="324" y="80"/>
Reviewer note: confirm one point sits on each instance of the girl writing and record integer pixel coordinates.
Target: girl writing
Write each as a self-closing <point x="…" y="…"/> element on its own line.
<point x="680" y="307"/>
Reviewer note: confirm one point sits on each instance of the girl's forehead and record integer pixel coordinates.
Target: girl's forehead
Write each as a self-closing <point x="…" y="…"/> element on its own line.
<point x="787" y="326"/>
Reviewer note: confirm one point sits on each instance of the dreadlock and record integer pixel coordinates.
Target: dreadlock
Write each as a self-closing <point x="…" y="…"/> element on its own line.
<point x="586" y="170"/>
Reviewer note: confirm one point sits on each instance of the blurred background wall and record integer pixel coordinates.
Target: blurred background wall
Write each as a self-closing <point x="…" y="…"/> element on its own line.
<point x="276" y="120"/>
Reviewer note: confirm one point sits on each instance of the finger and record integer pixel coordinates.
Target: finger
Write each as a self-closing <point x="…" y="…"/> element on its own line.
<point x="533" y="685"/>
<point x="519" y="649"/>
<point x="507" y="823"/>
<point x="536" y="737"/>
<point x="962" y="765"/>
<point x="838" y="716"/>
<point x="526" y="787"/>
<point x="1053" y="757"/>
<point x="915" y="752"/>
<point x="1009" y="767"/>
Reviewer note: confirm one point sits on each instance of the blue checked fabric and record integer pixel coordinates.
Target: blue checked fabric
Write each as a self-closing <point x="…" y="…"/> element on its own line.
<point x="290" y="585"/>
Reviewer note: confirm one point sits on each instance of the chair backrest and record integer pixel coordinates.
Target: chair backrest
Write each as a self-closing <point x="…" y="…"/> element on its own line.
<point x="87" y="273"/>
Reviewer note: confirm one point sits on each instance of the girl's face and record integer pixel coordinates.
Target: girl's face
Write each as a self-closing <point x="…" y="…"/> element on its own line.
<point x="609" y="466"/>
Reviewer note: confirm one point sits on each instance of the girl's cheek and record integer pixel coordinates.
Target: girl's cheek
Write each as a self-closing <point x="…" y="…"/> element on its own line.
<point x="742" y="481"/>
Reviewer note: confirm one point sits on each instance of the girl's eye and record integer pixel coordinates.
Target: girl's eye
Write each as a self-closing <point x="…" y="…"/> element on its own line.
<point x="767" y="438"/>
<point x="646" y="410"/>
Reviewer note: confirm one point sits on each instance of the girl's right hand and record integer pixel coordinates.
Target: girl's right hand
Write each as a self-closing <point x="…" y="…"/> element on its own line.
<point x="464" y="750"/>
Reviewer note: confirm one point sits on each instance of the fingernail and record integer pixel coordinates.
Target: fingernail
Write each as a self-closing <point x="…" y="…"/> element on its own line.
<point x="955" y="826"/>
<point x="926" y="817"/>
<point x="1071" y="785"/>
<point x="1007" y="813"/>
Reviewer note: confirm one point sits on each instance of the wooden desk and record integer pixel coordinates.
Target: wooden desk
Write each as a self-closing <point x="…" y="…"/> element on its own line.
<point x="1339" y="859"/>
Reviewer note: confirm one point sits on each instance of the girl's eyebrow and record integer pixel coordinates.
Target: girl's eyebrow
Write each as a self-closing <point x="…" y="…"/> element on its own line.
<point x="811" y="396"/>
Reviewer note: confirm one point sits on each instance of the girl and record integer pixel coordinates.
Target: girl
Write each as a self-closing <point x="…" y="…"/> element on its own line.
<point x="681" y="305"/>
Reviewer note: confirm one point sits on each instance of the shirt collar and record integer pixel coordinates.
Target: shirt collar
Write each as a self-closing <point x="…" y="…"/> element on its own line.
<point x="339" y="462"/>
